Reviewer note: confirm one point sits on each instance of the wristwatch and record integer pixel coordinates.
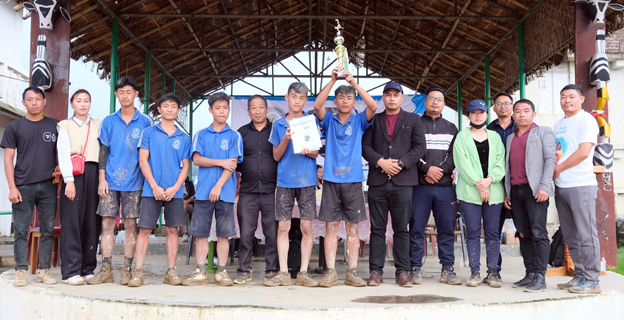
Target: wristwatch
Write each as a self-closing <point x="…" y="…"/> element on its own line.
<point x="401" y="165"/>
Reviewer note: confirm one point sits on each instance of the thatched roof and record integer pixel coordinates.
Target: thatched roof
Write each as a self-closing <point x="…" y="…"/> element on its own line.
<point x="420" y="43"/>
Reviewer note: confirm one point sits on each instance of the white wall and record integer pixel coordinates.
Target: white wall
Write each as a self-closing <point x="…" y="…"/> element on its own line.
<point x="15" y="65"/>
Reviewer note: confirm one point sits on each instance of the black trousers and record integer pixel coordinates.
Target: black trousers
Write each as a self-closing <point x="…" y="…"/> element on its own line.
<point x="247" y="210"/>
<point x="80" y="225"/>
<point x="398" y="200"/>
<point x="530" y="219"/>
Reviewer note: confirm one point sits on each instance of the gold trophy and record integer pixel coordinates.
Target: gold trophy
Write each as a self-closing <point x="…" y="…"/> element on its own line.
<point x="341" y="51"/>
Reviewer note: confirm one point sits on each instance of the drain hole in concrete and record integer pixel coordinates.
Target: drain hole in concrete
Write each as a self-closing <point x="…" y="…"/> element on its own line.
<point x="420" y="298"/>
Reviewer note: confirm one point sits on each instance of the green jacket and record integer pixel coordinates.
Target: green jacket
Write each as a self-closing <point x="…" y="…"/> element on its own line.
<point x="468" y="166"/>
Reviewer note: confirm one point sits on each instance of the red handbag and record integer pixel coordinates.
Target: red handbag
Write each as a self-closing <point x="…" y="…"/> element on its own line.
<point x="78" y="159"/>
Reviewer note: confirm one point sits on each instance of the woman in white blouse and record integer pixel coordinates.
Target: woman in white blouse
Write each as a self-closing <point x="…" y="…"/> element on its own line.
<point x="80" y="225"/>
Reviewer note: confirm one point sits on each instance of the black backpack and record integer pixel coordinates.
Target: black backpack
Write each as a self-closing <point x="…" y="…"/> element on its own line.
<point x="557" y="247"/>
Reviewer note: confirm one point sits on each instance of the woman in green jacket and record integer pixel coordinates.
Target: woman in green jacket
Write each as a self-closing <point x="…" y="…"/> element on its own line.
<point x="479" y="157"/>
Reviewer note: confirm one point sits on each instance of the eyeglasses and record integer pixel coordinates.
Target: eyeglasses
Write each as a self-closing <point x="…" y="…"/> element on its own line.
<point x="435" y="99"/>
<point x="500" y="104"/>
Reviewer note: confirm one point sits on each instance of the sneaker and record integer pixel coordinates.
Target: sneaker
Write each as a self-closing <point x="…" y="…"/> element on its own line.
<point x="20" y="278"/>
<point x="522" y="283"/>
<point x="352" y="279"/>
<point x="538" y="284"/>
<point x="126" y="275"/>
<point x="137" y="278"/>
<point x="242" y="278"/>
<point x="304" y="279"/>
<point x="74" y="281"/>
<point x="281" y="279"/>
<point x="448" y="276"/>
<point x="198" y="277"/>
<point x="475" y="280"/>
<point x="330" y="279"/>
<point x="105" y="275"/>
<point x="570" y="283"/>
<point x="44" y="276"/>
<point x="222" y="279"/>
<point x="172" y="278"/>
<point x="87" y="277"/>
<point x="185" y="237"/>
<point x="494" y="279"/>
<point x="586" y="286"/>
<point x="416" y="276"/>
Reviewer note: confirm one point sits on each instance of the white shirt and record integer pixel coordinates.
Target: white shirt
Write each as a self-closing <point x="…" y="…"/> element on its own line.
<point x="570" y="133"/>
<point x="63" y="147"/>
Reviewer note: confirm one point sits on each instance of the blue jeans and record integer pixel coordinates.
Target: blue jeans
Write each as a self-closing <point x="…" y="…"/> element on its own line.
<point x="473" y="213"/>
<point x="398" y="200"/>
<point x="42" y="195"/>
<point x="443" y="202"/>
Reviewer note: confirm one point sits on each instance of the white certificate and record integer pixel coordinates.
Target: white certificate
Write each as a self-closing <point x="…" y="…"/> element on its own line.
<point x="305" y="133"/>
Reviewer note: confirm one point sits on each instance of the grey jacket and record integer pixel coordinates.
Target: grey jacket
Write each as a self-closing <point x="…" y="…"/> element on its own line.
<point x="540" y="160"/>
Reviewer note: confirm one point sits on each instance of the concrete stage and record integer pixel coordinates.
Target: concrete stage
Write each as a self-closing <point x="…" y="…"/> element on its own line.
<point x="431" y="300"/>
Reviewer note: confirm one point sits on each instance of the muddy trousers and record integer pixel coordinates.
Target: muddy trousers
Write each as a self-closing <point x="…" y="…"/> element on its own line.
<point x="80" y="225"/>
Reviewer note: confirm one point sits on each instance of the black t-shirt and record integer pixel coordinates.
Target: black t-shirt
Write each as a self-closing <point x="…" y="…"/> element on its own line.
<point x="35" y="145"/>
<point x="483" y="148"/>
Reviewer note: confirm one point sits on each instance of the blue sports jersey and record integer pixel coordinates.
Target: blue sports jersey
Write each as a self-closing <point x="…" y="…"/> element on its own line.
<point x="225" y="144"/>
<point x="122" y="167"/>
<point x="165" y="158"/>
<point x="293" y="170"/>
<point x="343" y="147"/>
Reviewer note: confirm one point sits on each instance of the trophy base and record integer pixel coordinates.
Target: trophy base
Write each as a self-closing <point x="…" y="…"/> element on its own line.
<point x="340" y="77"/>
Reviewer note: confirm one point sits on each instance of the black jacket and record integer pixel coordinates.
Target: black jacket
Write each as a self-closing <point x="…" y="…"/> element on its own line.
<point x="440" y="135"/>
<point x="408" y="145"/>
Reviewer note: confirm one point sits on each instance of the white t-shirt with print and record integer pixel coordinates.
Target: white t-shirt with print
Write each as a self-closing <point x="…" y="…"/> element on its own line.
<point x="570" y="133"/>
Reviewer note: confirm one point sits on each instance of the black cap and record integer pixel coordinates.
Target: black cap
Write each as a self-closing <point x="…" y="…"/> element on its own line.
<point x="393" y="85"/>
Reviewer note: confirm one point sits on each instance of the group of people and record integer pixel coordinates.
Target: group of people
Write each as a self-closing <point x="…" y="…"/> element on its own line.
<point x="417" y="166"/>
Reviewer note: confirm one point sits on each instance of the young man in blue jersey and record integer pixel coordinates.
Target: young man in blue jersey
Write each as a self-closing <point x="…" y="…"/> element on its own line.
<point x="343" y="198"/>
<point x="296" y="180"/>
<point x="216" y="151"/>
<point x="121" y="181"/>
<point x="161" y="150"/>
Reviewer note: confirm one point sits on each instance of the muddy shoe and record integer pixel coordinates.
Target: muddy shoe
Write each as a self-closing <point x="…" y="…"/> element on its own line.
<point x="475" y="280"/>
<point x="494" y="279"/>
<point x="281" y="279"/>
<point x="137" y="278"/>
<point x="565" y="286"/>
<point x="416" y="276"/>
<point x="353" y="279"/>
<point x="126" y="275"/>
<point x="44" y="276"/>
<point x="171" y="277"/>
<point x="303" y="279"/>
<point x="242" y="278"/>
<point x="20" y="278"/>
<point x="198" y="277"/>
<point x="222" y="279"/>
<point x="586" y="286"/>
<point x="330" y="279"/>
<point x="105" y="275"/>
<point x="448" y="276"/>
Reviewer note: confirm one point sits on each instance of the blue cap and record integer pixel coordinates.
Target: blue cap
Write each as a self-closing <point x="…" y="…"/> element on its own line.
<point x="393" y="85"/>
<point x="477" y="105"/>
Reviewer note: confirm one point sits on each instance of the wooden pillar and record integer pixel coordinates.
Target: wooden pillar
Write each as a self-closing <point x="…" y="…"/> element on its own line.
<point x="57" y="54"/>
<point x="584" y="49"/>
